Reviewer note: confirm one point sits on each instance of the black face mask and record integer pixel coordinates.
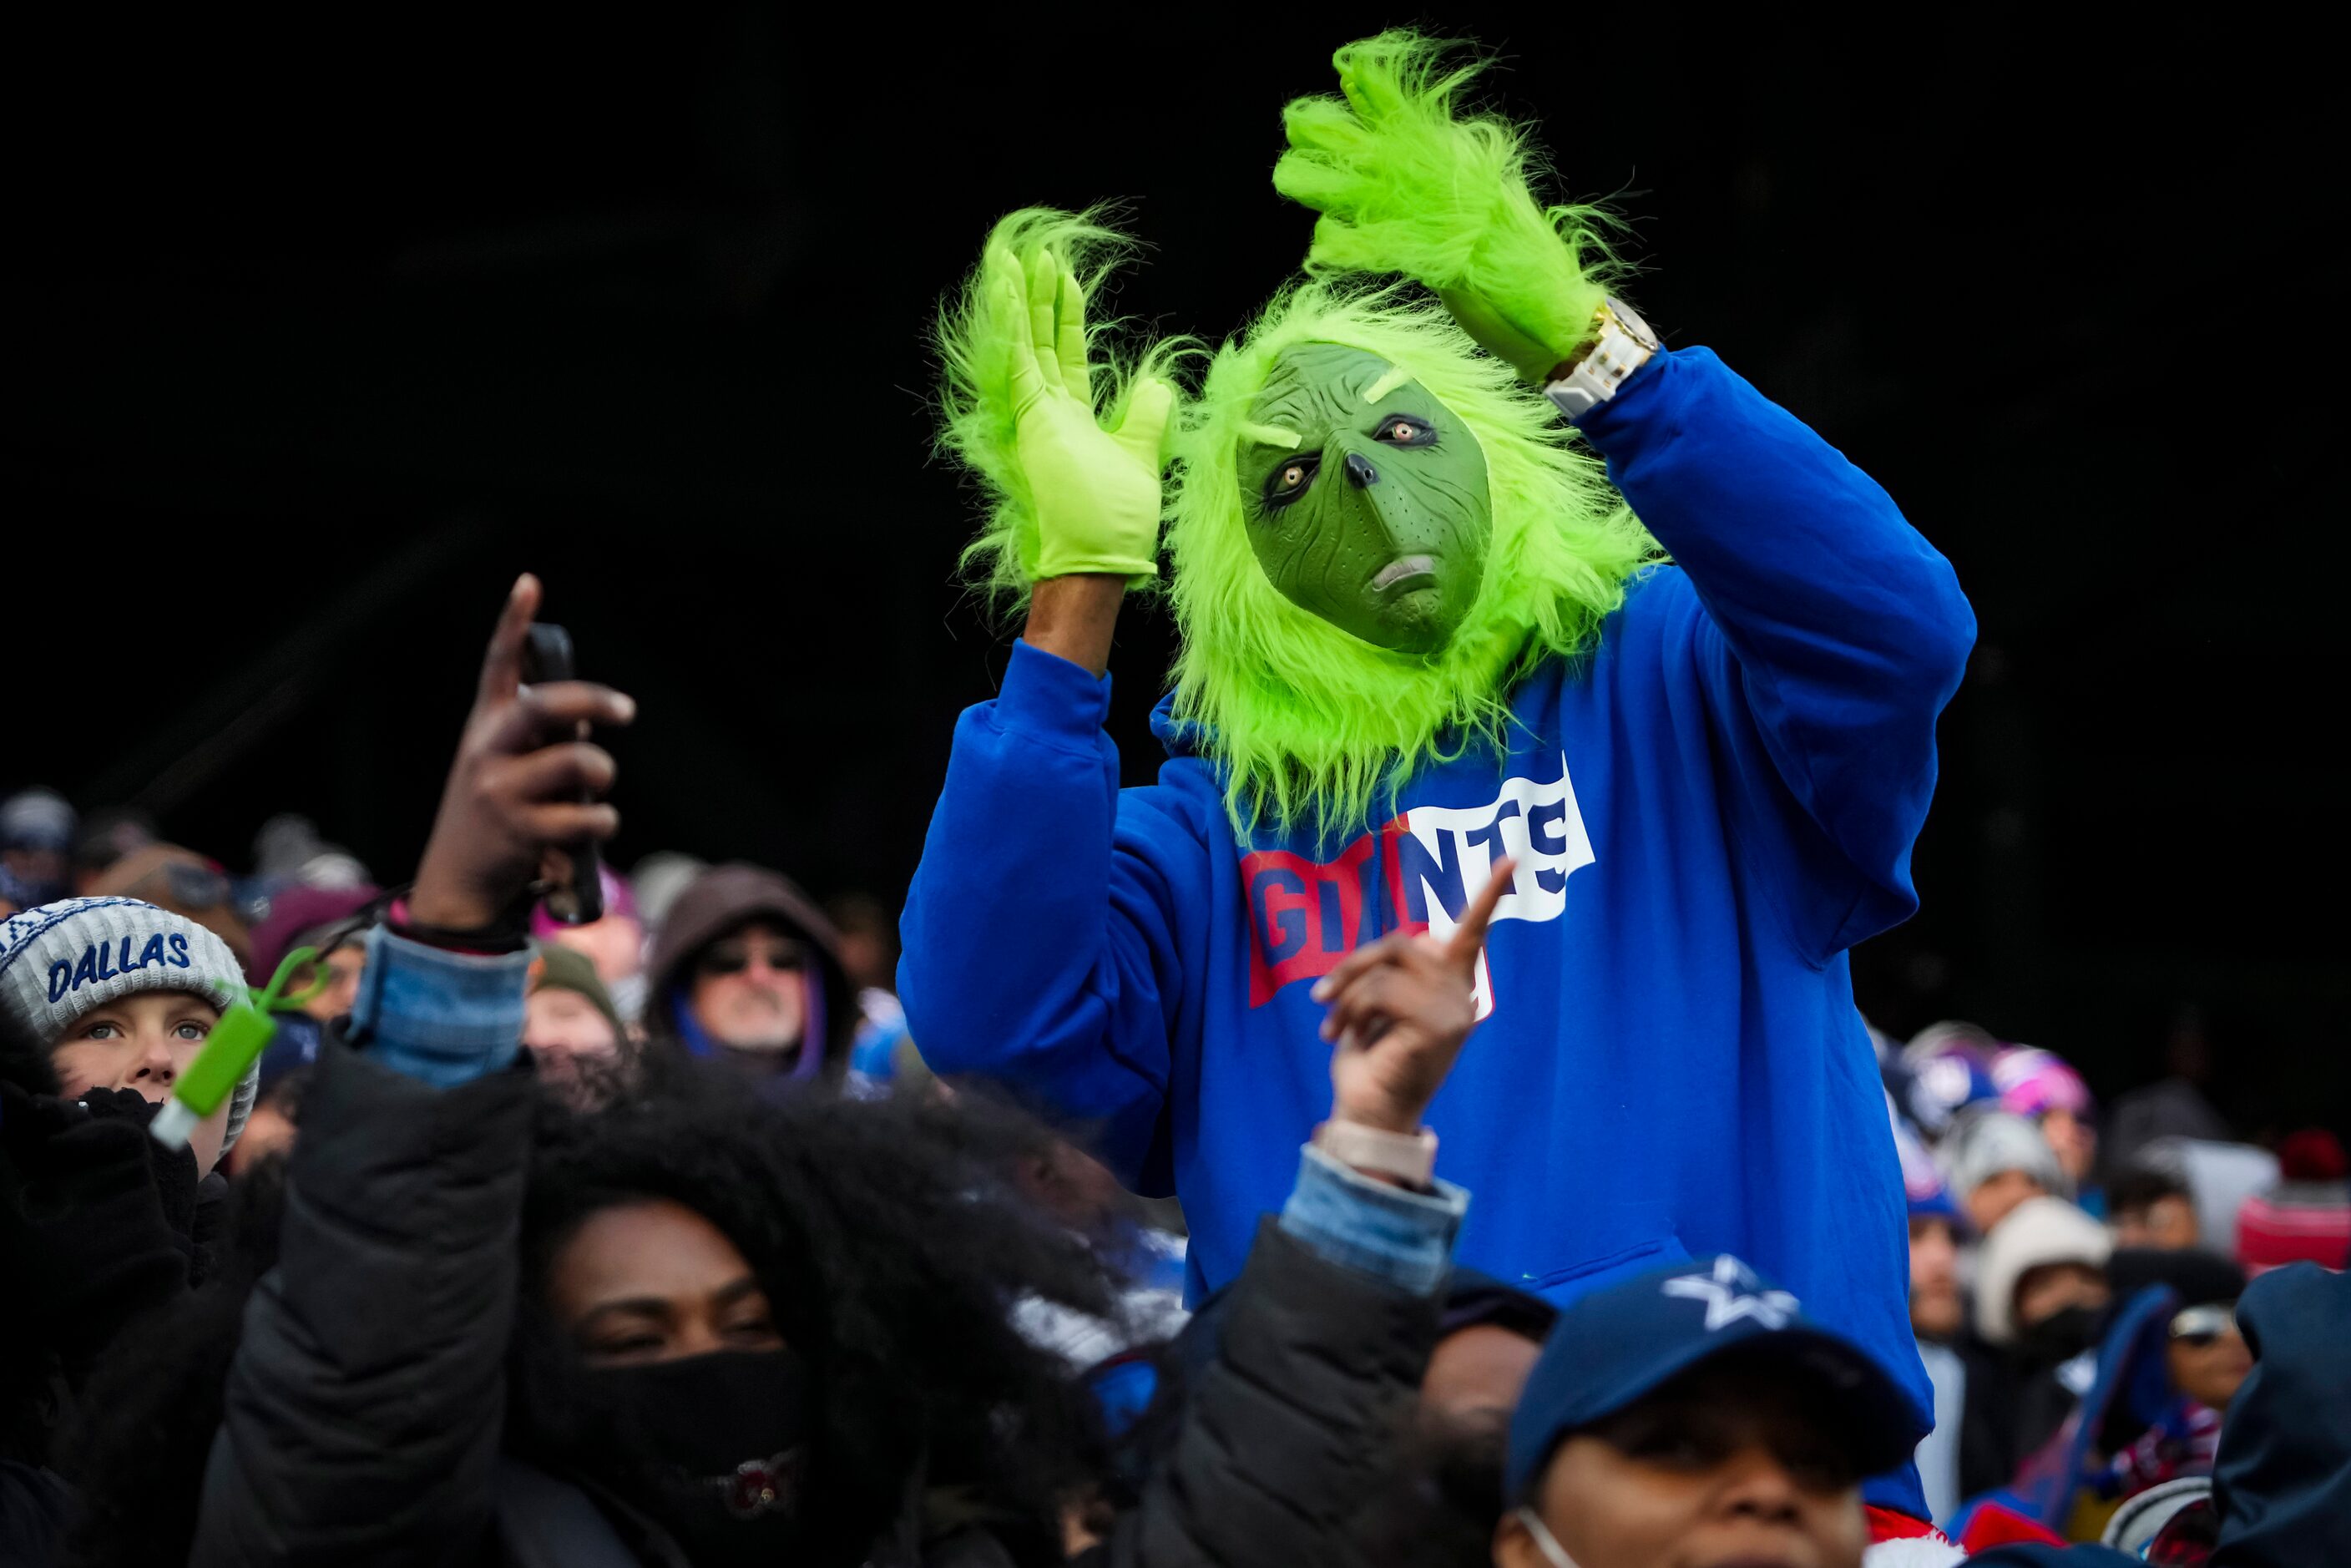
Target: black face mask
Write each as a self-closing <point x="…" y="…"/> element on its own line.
<point x="711" y="1448"/>
<point x="2064" y="1333"/>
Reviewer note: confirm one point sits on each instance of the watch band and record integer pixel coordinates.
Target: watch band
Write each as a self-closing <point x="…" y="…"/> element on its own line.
<point x="1409" y="1157"/>
<point x="1623" y="344"/>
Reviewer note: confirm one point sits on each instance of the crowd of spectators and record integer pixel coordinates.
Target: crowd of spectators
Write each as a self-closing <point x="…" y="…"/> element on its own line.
<point x="651" y="1240"/>
<point x="2076" y="1297"/>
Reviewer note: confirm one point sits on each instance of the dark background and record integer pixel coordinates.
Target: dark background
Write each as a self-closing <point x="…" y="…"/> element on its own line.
<point x="319" y="331"/>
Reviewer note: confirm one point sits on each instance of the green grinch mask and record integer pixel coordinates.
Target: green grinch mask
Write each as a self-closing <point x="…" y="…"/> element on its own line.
<point x="1366" y="497"/>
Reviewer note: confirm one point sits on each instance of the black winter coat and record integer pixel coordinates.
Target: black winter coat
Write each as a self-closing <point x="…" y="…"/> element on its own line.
<point x="362" y="1415"/>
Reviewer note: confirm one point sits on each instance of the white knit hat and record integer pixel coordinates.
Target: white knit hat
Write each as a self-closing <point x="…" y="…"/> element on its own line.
<point x="2036" y="1233"/>
<point x="59" y="960"/>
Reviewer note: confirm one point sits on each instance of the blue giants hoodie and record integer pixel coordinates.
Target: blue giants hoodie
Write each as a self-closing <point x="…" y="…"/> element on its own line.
<point x="1707" y="812"/>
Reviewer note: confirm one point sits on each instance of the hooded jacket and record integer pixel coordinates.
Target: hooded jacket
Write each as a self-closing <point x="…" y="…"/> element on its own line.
<point x="2283" y="1479"/>
<point x="715" y="903"/>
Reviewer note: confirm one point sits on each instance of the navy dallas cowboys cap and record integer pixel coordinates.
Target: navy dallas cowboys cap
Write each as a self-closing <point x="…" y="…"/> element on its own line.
<point x="1619" y="1345"/>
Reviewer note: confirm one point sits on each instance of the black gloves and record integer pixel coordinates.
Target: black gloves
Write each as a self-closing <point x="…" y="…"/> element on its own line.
<point x="96" y="1218"/>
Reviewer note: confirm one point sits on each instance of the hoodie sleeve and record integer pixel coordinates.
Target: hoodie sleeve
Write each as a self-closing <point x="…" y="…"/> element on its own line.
<point x="1830" y="637"/>
<point x="1043" y="932"/>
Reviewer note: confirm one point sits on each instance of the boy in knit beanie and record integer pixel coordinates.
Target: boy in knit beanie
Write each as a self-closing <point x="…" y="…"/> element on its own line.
<point x="120" y="995"/>
<point x="103" y="1003"/>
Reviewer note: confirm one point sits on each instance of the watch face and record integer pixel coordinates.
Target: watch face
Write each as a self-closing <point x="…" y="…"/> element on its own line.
<point x="1630" y="320"/>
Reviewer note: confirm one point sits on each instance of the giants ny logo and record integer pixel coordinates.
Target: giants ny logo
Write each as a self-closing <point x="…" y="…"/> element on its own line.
<point x="1413" y="873"/>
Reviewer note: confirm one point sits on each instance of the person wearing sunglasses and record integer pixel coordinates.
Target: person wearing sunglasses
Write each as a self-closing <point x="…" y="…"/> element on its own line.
<point x="2204" y="1362"/>
<point x="747" y="970"/>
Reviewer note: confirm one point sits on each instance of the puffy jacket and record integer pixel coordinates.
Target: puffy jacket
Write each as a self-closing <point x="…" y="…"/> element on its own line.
<point x="1282" y="1433"/>
<point x="362" y="1420"/>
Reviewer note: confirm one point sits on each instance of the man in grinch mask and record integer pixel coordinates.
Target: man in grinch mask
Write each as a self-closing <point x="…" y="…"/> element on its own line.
<point x="1423" y="633"/>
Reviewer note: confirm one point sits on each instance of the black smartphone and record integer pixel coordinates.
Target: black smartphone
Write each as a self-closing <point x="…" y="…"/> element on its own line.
<point x="547" y="656"/>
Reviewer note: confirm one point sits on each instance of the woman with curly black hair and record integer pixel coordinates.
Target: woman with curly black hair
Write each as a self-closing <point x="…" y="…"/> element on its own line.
<point x="786" y="1330"/>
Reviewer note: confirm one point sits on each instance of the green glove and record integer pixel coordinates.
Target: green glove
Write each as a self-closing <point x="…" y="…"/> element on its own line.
<point x="1403" y="186"/>
<point x="1095" y="491"/>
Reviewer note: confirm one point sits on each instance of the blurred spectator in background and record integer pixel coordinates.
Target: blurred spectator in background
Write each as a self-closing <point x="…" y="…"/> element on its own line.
<point x="1949" y="1068"/>
<point x="36" y="832"/>
<point x="2306" y="1217"/>
<point x="577" y="1042"/>
<point x="2044" y="1090"/>
<point x="333" y="920"/>
<point x="2042" y="1278"/>
<point x="868" y="939"/>
<point x="1938" y="1318"/>
<point x="2205" y="1356"/>
<point x="747" y="970"/>
<point x="869" y="950"/>
<point x="288" y="849"/>
<point x="184" y="882"/>
<point x="107" y="835"/>
<point x="1937" y="1309"/>
<point x="2152" y="1209"/>
<point x="2040" y="1289"/>
<point x="1488" y="1345"/>
<point x="615" y="944"/>
<point x="270" y="1130"/>
<point x="2174" y="1106"/>
<point x="2220" y="1176"/>
<point x="657" y="880"/>
<point x="1998" y="1161"/>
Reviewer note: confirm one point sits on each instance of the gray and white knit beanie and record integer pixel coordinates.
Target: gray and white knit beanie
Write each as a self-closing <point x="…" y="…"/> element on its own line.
<point x="59" y="960"/>
<point x="1996" y="1141"/>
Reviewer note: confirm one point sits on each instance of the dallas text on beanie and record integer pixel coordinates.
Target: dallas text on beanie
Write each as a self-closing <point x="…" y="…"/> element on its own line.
<point x="67" y="976"/>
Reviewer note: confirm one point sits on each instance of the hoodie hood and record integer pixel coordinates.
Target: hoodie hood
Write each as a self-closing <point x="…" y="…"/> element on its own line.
<point x="2282" y="1482"/>
<point x="719" y="901"/>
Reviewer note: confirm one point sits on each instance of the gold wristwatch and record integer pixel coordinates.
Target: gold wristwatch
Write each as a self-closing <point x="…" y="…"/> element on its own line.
<point x="1622" y="344"/>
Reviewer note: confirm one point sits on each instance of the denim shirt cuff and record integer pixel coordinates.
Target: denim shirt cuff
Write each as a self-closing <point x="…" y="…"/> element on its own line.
<point x="1404" y="1238"/>
<point x="440" y="1017"/>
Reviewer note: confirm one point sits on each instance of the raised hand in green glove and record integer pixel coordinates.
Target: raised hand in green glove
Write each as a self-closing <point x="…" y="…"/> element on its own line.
<point x="1405" y="187"/>
<point x="1075" y="481"/>
<point x="1096" y="490"/>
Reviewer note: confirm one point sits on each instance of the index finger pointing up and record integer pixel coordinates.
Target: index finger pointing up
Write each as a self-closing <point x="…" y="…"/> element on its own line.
<point x="1461" y="947"/>
<point x="502" y="661"/>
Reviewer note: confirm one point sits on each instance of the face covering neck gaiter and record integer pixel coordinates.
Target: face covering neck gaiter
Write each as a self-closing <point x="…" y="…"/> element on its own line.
<point x="2062" y="1334"/>
<point x="714" y="1448"/>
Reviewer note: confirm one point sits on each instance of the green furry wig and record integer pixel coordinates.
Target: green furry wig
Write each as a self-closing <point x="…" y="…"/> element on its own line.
<point x="1306" y="722"/>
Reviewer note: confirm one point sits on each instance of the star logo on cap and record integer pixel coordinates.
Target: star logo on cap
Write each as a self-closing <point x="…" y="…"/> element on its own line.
<point x="1731" y="1293"/>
